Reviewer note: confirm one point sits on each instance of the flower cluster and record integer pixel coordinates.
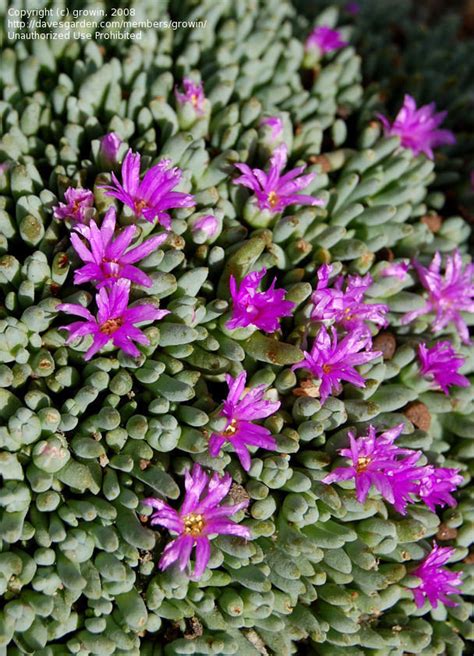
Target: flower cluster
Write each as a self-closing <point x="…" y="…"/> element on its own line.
<point x="332" y="359"/>
<point x="395" y="472"/>
<point x="344" y="320"/>
<point x="109" y="260"/>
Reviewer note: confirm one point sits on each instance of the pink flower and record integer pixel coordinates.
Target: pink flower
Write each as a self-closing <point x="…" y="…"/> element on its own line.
<point x="200" y="517"/>
<point x="437" y="582"/>
<point x="448" y="294"/>
<point x="109" y="147"/>
<point x="275" y="124"/>
<point x="346" y="307"/>
<point x="260" y="309"/>
<point x="332" y="362"/>
<point x="240" y="409"/>
<point x="377" y="461"/>
<point x="153" y="196"/>
<point x="397" y="269"/>
<point x="326" y="39"/>
<point x="436" y="484"/>
<point x="273" y="191"/>
<point x="208" y="224"/>
<point x="79" y="205"/>
<point x="193" y="94"/>
<point x="418" y="128"/>
<point x="108" y="259"/>
<point x="115" y="320"/>
<point x="441" y="364"/>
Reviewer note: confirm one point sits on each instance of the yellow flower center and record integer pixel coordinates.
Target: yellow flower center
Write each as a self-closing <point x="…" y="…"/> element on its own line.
<point x="193" y="524"/>
<point x="111" y="326"/>
<point x="231" y="429"/>
<point x="362" y="464"/>
<point x="272" y="199"/>
<point x="194" y="100"/>
<point x="140" y="206"/>
<point x="327" y="368"/>
<point x="347" y="314"/>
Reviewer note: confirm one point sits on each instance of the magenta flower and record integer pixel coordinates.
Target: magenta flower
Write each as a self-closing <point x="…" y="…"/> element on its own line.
<point x="108" y="259"/>
<point x="346" y="307"/>
<point x="115" y="320"/>
<point x="153" y="196"/>
<point x="332" y="362"/>
<point x="436" y="484"/>
<point x="418" y="128"/>
<point x="260" y="309"/>
<point x="79" y="205"/>
<point x="379" y="462"/>
<point x="275" y="124"/>
<point x="193" y="93"/>
<point x="109" y="147"/>
<point x="273" y="191"/>
<point x="441" y="364"/>
<point x="397" y="269"/>
<point x="326" y="39"/>
<point x="207" y="224"/>
<point x="240" y="409"/>
<point x="448" y="294"/>
<point x="437" y="582"/>
<point x="200" y="517"/>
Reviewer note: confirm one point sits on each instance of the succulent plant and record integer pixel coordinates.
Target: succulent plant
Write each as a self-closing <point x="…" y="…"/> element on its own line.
<point x="90" y="439"/>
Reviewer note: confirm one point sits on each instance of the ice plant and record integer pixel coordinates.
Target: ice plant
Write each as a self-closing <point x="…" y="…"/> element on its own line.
<point x="377" y="461"/>
<point x="208" y="224"/>
<point x="345" y="307"/>
<point x="109" y="147"/>
<point x="193" y="94"/>
<point x="108" y="257"/>
<point x="275" y="125"/>
<point x="436" y="484"/>
<point x="449" y="294"/>
<point x="396" y="269"/>
<point x="240" y="409"/>
<point x="201" y="516"/>
<point x="78" y="207"/>
<point x="326" y="39"/>
<point x="441" y="363"/>
<point x="253" y="308"/>
<point x="115" y="321"/>
<point x="274" y="191"/>
<point x="418" y="127"/>
<point x="437" y="583"/>
<point x="333" y="362"/>
<point x="152" y="197"/>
